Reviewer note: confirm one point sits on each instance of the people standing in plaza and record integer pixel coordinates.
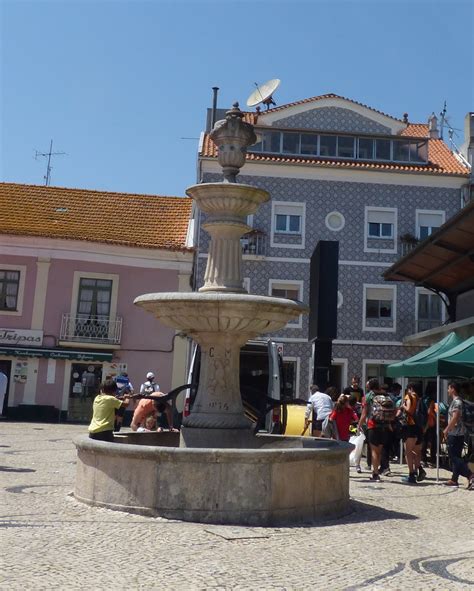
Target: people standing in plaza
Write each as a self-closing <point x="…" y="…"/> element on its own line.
<point x="103" y="411"/>
<point x="354" y="389"/>
<point x="3" y="390"/>
<point x="89" y="383"/>
<point x="320" y="404"/>
<point x="454" y="434"/>
<point x="377" y="413"/>
<point x="343" y="415"/>
<point x="412" y="434"/>
<point x="429" y="436"/>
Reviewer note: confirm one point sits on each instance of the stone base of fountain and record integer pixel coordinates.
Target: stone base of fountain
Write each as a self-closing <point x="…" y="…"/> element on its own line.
<point x="281" y="481"/>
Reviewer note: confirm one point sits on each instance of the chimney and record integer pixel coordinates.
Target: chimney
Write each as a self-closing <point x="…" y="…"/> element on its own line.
<point x="433" y="126"/>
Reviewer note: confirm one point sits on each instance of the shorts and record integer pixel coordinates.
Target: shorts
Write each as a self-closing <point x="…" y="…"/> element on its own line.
<point x="103" y="436"/>
<point x="317" y="425"/>
<point x="120" y="411"/>
<point x="377" y="436"/>
<point x="412" y="432"/>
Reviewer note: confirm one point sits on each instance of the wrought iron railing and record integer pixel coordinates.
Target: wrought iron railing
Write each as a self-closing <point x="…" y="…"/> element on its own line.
<point x="254" y="243"/>
<point x="81" y="328"/>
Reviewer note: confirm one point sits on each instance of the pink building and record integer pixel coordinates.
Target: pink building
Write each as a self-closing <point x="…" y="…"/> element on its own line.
<point x="71" y="263"/>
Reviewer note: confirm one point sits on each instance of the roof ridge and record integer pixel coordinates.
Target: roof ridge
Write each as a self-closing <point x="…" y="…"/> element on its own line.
<point x="323" y="96"/>
<point x="95" y="191"/>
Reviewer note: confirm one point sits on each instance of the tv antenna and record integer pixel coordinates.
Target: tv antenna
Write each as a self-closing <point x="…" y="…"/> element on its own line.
<point x="263" y="93"/>
<point x="47" y="176"/>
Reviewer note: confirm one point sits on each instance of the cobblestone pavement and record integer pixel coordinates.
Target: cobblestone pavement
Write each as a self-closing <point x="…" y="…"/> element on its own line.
<point x="397" y="536"/>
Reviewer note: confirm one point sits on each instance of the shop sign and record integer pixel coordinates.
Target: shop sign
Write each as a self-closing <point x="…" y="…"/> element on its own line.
<point x="15" y="337"/>
<point x="56" y="354"/>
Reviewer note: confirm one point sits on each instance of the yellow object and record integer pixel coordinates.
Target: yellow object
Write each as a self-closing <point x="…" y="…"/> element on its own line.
<point x="295" y="421"/>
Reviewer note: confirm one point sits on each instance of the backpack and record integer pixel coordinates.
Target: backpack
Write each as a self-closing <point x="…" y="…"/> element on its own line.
<point x="383" y="409"/>
<point x="421" y="414"/>
<point x="468" y="415"/>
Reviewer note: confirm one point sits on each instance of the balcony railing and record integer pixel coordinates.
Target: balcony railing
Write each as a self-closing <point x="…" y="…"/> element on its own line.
<point x="90" y="329"/>
<point x="254" y="243"/>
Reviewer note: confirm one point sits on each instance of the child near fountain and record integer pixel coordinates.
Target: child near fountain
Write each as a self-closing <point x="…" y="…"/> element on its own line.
<point x="103" y="411"/>
<point x="343" y="415"/>
<point x="149" y="424"/>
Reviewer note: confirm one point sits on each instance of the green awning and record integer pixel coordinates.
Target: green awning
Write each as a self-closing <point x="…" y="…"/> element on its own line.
<point x="56" y="353"/>
<point x="411" y="367"/>
<point x="458" y="362"/>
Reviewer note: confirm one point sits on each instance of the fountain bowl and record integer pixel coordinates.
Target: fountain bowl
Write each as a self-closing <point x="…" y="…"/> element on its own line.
<point x="280" y="481"/>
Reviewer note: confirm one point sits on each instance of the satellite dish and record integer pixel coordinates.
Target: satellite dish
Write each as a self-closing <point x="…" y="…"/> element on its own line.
<point x="263" y="93"/>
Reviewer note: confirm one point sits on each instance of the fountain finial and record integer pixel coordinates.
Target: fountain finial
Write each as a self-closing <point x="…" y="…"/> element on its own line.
<point x="232" y="136"/>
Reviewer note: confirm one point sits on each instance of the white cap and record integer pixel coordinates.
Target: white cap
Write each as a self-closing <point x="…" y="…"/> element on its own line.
<point x="150" y="375"/>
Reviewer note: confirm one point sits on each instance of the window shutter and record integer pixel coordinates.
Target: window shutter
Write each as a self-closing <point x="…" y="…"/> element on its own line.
<point x="380" y="217"/>
<point x="378" y="293"/>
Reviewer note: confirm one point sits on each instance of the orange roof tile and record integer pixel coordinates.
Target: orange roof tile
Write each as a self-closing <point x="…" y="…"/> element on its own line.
<point x="416" y="130"/>
<point x="441" y="159"/>
<point x="144" y="221"/>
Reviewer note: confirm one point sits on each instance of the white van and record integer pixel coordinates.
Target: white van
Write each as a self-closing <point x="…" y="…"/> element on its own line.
<point x="261" y="384"/>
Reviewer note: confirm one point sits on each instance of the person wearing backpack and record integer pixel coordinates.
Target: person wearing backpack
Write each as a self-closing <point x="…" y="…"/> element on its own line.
<point x="378" y="412"/>
<point x="454" y="434"/>
<point x="412" y="433"/>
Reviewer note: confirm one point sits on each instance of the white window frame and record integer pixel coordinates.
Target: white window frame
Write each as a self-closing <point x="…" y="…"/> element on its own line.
<point x="282" y="204"/>
<point x="373" y="208"/>
<point x="423" y="290"/>
<point x="285" y="283"/>
<point x="21" y="289"/>
<point x="392" y="328"/>
<point x="246" y="283"/>
<point x="344" y="363"/>
<point x="298" y="368"/>
<point x="420" y="212"/>
<point x="78" y="275"/>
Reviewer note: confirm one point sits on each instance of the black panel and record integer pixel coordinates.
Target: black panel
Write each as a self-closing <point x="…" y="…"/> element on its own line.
<point x="323" y="291"/>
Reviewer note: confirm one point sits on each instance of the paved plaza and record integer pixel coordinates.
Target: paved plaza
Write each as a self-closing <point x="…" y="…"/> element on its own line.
<point x="397" y="536"/>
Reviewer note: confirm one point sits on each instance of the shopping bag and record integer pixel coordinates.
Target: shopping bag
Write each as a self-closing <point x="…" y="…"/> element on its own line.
<point x="356" y="454"/>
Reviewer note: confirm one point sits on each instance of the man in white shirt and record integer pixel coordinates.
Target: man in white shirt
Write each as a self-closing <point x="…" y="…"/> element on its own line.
<point x="320" y="405"/>
<point x="3" y="390"/>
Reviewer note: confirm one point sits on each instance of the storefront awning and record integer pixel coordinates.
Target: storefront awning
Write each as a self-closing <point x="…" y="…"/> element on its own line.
<point x="55" y="353"/>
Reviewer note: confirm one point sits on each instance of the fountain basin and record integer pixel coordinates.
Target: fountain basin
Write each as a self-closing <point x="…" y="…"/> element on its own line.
<point x="281" y="481"/>
<point x="221" y="312"/>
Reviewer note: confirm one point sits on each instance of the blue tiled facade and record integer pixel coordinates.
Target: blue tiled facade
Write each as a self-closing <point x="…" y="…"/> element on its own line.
<point x="358" y="265"/>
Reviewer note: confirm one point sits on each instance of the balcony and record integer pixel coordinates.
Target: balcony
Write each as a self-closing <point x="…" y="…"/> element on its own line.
<point x="91" y="330"/>
<point x="408" y="242"/>
<point x="254" y="243"/>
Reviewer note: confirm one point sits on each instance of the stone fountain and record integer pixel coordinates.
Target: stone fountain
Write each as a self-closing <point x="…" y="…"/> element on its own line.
<point x="221" y="472"/>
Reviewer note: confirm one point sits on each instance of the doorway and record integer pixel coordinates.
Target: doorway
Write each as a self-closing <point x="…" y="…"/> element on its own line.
<point x="83" y="388"/>
<point x="6" y="368"/>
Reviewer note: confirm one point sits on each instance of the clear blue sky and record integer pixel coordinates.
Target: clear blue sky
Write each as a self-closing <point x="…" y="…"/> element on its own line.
<point x="117" y="84"/>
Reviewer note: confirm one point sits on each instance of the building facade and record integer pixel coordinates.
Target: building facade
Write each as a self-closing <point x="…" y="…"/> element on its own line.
<point x="339" y="170"/>
<point x="71" y="263"/>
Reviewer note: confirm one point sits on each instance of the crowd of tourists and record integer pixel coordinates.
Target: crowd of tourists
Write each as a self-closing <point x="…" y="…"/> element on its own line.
<point x="111" y="404"/>
<point x="384" y="417"/>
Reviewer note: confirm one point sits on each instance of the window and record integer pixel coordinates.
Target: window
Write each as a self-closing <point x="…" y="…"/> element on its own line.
<point x="379" y="308"/>
<point x="366" y="149"/>
<point x="309" y="144"/>
<point x="380" y="223"/>
<point x="341" y="146"/>
<point x="9" y="290"/>
<point x="290" y="290"/>
<point x="427" y="222"/>
<point x="285" y="222"/>
<point x="382" y="149"/>
<point x="327" y="145"/>
<point x="291" y="143"/>
<point x="288" y="224"/>
<point x="345" y="147"/>
<point x="429" y="310"/>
